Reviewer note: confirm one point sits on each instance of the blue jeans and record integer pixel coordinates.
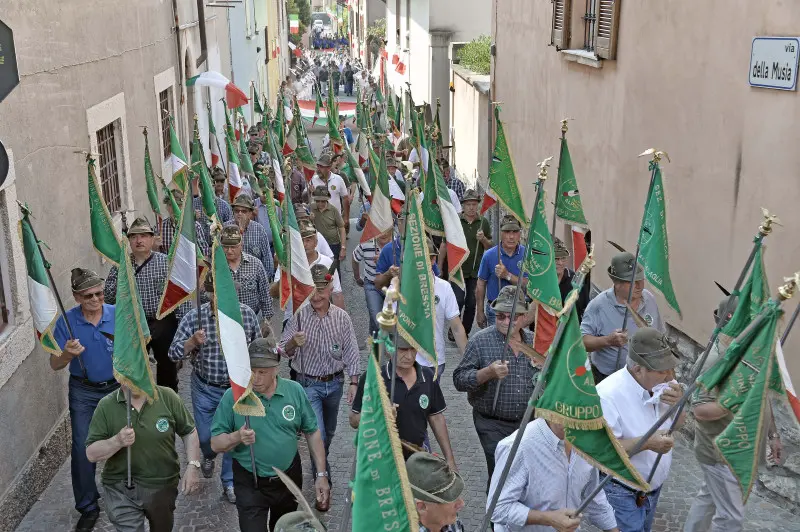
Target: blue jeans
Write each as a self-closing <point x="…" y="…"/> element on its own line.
<point x="374" y="304"/>
<point x="205" y="400"/>
<point x="325" y="398"/>
<point x="490" y="315"/>
<point x="631" y="518"/>
<point x="83" y="400"/>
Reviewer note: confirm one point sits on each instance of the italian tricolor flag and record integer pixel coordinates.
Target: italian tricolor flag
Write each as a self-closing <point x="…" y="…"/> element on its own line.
<point x="362" y="147"/>
<point x="290" y="141"/>
<point x="234" y="96"/>
<point x="232" y="338"/>
<point x="234" y="177"/>
<point x="791" y="393"/>
<point x="183" y="261"/>
<point x="296" y="281"/>
<point x="176" y="161"/>
<point x="213" y="141"/>
<point x="457" y="249"/>
<point x="356" y="173"/>
<point x="380" y="212"/>
<point x="42" y="299"/>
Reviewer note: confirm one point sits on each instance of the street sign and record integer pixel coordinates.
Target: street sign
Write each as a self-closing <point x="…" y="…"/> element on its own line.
<point x="773" y="62"/>
<point x="9" y="75"/>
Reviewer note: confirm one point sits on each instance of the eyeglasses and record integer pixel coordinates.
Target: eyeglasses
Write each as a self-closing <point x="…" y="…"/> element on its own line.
<point x="502" y="316"/>
<point x="98" y="295"/>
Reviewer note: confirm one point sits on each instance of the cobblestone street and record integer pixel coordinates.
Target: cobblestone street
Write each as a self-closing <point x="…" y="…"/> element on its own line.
<point x="207" y="511"/>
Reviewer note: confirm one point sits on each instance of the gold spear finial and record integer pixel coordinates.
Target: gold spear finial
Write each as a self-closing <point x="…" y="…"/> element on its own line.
<point x="588" y="263"/>
<point x="657" y="155"/>
<point x="769" y="220"/>
<point x="789" y="286"/>
<point x="543" y="166"/>
<point x="387" y="318"/>
<point x="564" y="127"/>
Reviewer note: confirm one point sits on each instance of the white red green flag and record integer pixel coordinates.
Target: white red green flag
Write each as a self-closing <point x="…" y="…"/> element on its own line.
<point x="232" y="338"/>
<point x="296" y="281"/>
<point x="176" y="162"/>
<point x="356" y="173"/>
<point x="234" y="176"/>
<point x="362" y="147"/>
<point x="182" y="262"/>
<point x="379" y="219"/>
<point x="44" y="309"/>
<point x="269" y="147"/>
<point x="290" y="142"/>
<point x="213" y="141"/>
<point x="791" y="391"/>
<point x="234" y="96"/>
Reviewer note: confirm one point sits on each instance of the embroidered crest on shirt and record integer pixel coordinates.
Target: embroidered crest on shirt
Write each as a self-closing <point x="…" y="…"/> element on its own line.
<point x="288" y="413"/>
<point x="162" y="425"/>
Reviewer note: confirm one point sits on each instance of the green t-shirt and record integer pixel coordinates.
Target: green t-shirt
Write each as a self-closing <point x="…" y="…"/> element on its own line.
<point x="154" y="460"/>
<point x="470" y="266"/>
<point x="328" y="223"/>
<point x="288" y="410"/>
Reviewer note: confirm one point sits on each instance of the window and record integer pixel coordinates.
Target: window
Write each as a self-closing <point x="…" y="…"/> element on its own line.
<point x="165" y="111"/>
<point x="599" y="26"/>
<point x="109" y="170"/>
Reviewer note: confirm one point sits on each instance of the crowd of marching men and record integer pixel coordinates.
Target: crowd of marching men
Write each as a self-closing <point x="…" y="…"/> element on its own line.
<point x="268" y="225"/>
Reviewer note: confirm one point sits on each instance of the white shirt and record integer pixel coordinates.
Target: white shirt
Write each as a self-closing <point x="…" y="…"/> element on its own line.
<point x="413" y="157"/>
<point x="623" y="401"/>
<point x="323" y="247"/>
<point x="321" y="259"/>
<point x="543" y="479"/>
<point x="337" y="188"/>
<point x="446" y="310"/>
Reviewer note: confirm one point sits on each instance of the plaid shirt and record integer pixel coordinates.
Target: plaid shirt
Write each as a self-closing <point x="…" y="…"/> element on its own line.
<point x="483" y="348"/>
<point x="168" y="227"/>
<point x="208" y="361"/>
<point x="253" y="285"/>
<point x="255" y="241"/>
<point x="455" y="184"/>
<point x="331" y="344"/>
<point x="457" y="527"/>
<point x="150" y="278"/>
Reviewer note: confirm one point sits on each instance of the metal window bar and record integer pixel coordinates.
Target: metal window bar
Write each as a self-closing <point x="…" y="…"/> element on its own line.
<point x="109" y="170"/>
<point x="589" y="22"/>
<point x="165" y="109"/>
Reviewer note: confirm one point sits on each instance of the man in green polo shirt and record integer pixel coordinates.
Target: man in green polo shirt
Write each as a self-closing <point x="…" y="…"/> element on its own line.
<point x="274" y="441"/>
<point x="155" y="466"/>
<point x="329" y="222"/>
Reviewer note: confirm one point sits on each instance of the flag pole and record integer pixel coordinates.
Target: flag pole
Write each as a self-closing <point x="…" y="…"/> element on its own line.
<point x="539" y="193"/>
<point x="252" y="454"/>
<point x="654" y="167"/>
<point x="789" y="326"/>
<point x="393" y="355"/>
<point x="577" y="284"/>
<point x="564" y="129"/>
<point x="784" y="292"/>
<point x="252" y="97"/>
<point x="763" y="230"/>
<point x="129" y="481"/>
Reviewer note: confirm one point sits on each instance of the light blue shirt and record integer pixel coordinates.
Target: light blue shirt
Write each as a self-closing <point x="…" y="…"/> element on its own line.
<point x="96" y="357"/>
<point x="543" y="479"/>
<point x="513" y="264"/>
<point x="604" y="315"/>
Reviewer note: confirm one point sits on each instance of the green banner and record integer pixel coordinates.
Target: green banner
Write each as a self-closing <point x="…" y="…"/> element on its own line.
<point x="568" y="200"/>
<point x="653" y="241"/>
<point x="539" y="263"/>
<point x="502" y="177"/>
<point x="104" y="234"/>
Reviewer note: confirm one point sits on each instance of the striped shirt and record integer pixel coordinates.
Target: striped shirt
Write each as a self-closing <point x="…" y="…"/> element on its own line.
<point x="331" y="344"/>
<point x="208" y="361"/>
<point x="483" y="348"/>
<point x="543" y="478"/>
<point x="253" y="285"/>
<point x="168" y="227"/>
<point x="150" y="278"/>
<point x="367" y="254"/>
<point x="256" y="242"/>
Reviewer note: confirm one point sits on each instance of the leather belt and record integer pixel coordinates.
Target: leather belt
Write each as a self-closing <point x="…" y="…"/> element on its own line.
<point x="212" y="384"/>
<point x="87" y="382"/>
<point x="628" y="488"/>
<point x="323" y="378"/>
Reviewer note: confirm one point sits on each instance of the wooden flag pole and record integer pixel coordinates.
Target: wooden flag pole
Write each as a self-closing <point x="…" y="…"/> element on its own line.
<point x="654" y="163"/>
<point x="539" y="192"/>
<point x="763" y="230"/>
<point x="252" y="455"/>
<point x="129" y="481"/>
<point x="784" y="292"/>
<point x="577" y="284"/>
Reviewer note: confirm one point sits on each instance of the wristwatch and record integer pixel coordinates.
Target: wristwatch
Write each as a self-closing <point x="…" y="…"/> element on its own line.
<point x="321" y="474"/>
<point x="195" y="463"/>
<point x="508" y="277"/>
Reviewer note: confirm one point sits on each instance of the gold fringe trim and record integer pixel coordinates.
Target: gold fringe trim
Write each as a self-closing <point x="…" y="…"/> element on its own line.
<point x="397" y="450"/>
<point x="572" y="423"/>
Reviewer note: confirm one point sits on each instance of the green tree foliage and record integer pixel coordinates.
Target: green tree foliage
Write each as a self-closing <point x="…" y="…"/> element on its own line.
<point x="475" y="55"/>
<point x="302" y="9"/>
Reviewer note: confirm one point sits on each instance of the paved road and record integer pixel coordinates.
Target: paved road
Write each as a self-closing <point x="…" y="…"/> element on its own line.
<point x="207" y="511"/>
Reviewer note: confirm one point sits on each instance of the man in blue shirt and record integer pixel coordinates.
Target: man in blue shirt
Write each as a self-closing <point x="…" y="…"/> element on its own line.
<point x="88" y="355"/>
<point x="495" y="273"/>
<point x="388" y="265"/>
